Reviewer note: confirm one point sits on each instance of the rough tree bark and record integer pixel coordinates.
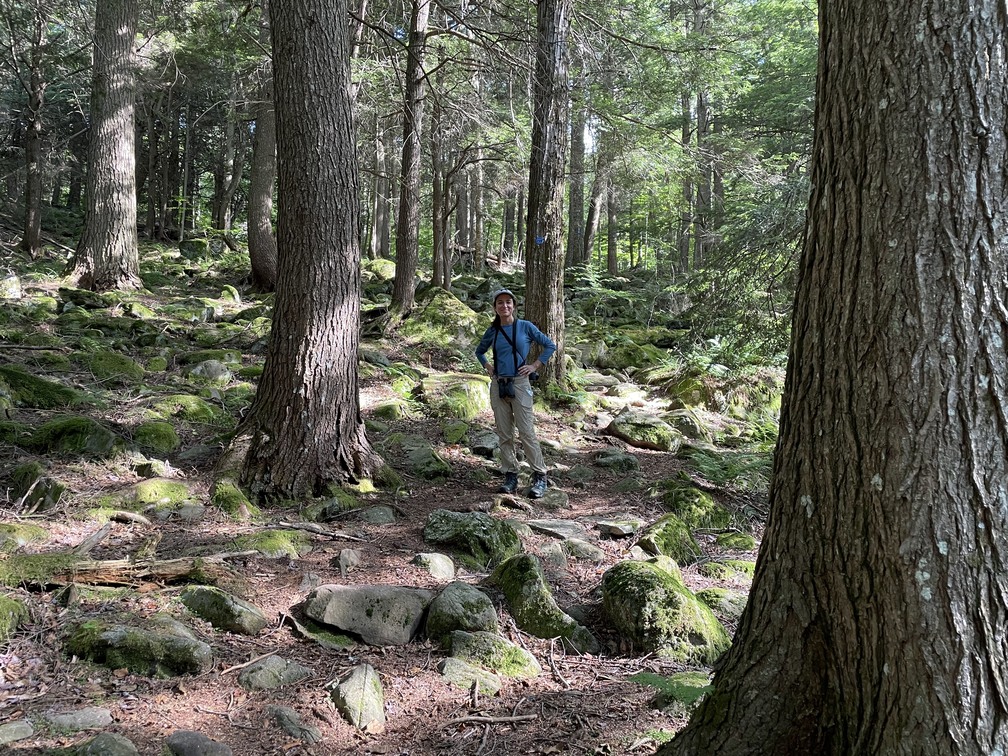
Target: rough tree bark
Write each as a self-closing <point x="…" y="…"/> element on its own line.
<point x="106" y="256"/>
<point x="876" y="621"/>
<point x="408" y="224"/>
<point x="262" y="175"/>
<point x="35" y="89"/>
<point x="544" y="246"/>
<point x="305" y="429"/>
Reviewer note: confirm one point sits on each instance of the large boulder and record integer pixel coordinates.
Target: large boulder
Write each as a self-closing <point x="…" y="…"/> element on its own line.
<point x="419" y="457"/>
<point x="27" y="390"/>
<point x="78" y="435"/>
<point x="475" y="537"/>
<point x="460" y="606"/>
<point x="441" y="320"/>
<point x="645" y="431"/>
<point x="455" y="395"/>
<point x="382" y="615"/>
<point x="533" y="607"/>
<point x="491" y="651"/>
<point x="654" y="610"/>
<point x="162" y="647"/>
<point x="669" y="536"/>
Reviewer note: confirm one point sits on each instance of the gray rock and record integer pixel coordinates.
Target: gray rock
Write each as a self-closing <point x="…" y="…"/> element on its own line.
<point x="290" y="721"/>
<point x="438" y="565"/>
<point x="477" y="537"/>
<point x="224" y="611"/>
<point x="212" y="371"/>
<point x="380" y="515"/>
<point x="583" y="550"/>
<point x="616" y="459"/>
<point x="618" y="528"/>
<point x="533" y="607"/>
<point x="645" y="431"/>
<point x="581" y="475"/>
<point x="189" y="743"/>
<point x="348" y="560"/>
<point x="559" y="528"/>
<point x="10" y="287"/>
<point x="11" y="732"/>
<point x="554" y="554"/>
<point x="108" y="744"/>
<point x="485" y="444"/>
<point x="89" y="718"/>
<point x="272" y="672"/>
<point x="670" y="536"/>
<point x="359" y="697"/>
<point x="460" y="606"/>
<point x="163" y="647"/>
<point x="463" y="675"/>
<point x="382" y="615"/>
<point x="491" y="651"/>
<point x="421" y="459"/>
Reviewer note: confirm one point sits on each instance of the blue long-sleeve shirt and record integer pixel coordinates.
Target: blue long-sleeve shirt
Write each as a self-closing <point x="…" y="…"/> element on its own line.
<point x="523" y="333"/>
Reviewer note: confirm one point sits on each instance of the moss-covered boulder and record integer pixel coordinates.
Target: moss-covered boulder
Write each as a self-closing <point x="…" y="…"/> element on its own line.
<point x="696" y="508"/>
<point x="736" y="541"/>
<point x="12" y="613"/>
<point x="440" y="320"/>
<point x="87" y="299"/>
<point x="228" y="497"/>
<point x="530" y="599"/>
<point x="455" y="395"/>
<point x="644" y="431"/>
<point x="359" y="697"/>
<point x="161" y="647"/>
<point x="655" y="611"/>
<point x="475" y="538"/>
<point x="671" y="537"/>
<point x="160" y="492"/>
<point x="275" y="544"/>
<point x="492" y="652"/>
<point x="459" y="606"/>
<point x="192" y="409"/>
<point x="113" y="369"/>
<point x="724" y="601"/>
<point x="157" y="436"/>
<point x="223" y="610"/>
<point x="194" y="249"/>
<point x="76" y="435"/>
<point x="271" y="673"/>
<point x="15" y="535"/>
<point x="419" y="457"/>
<point x="27" y="390"/>
<point x="464" y="676"/>
<point x="681" y="692"/>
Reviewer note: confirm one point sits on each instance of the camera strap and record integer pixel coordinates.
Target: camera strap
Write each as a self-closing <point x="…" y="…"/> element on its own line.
<point x="510" y="340"/>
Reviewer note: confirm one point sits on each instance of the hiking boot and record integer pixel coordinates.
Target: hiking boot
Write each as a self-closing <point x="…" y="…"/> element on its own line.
<point x="538" y="489"/>
<point x="510" y="484"/>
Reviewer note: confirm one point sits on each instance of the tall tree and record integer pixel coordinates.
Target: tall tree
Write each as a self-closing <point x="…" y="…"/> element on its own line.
<point x="544" y="247"/>
<point x="262" y="176"/>
<point x="876" y="618"/>
<point x="106" y="255"/>
<point x="305" y="426"/>
<point x="408" y="224"/>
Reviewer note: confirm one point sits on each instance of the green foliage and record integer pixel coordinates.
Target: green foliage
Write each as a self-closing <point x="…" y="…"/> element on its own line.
<point x="740" y="470"/>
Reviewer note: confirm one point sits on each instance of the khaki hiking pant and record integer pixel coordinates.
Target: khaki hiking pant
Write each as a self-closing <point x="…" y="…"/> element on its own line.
<point x="512" y="415"/>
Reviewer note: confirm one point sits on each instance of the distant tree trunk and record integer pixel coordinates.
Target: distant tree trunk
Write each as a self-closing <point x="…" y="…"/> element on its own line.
<point x="232" y="163"/>
<point x="388" y="196"/>
<point x="575" y="202"/>
<point x="508" y="233"/>
<point x="32" y="239"/>
<point x="686" y="215"/>
<point x="876" y="619"/>
<point x="439" y="220"/>
<point x="595" y="202"/>
<point x="463" y="242"/>
<point x="520" y="217"/>
<point x="305" y="426"/>
<point x="380" y="206"/>
<point x="478" y="242"/>
<point x="261" y="242"/>
<point x="544" y="248"/>
<point x="106" y="256"/>
<point x="408" y="226"/>
<point x="612" y="238"/>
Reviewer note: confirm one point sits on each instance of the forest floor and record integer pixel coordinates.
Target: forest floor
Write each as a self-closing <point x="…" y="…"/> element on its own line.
<point x="578" y="705"/>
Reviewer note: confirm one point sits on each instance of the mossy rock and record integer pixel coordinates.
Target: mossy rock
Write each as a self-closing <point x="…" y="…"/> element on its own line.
<point x="139" y="310"/>
<point x="459" y="606"/>
<point x="226" y="356"/>
<point x="745" y="567"/>
<point x="192" y="409"/>
<point x="163" y="647"/>
<point x="645" y="431"/>
<point x="229" y="498"/>
<point x="275" y="544"/>
<point x="671" y="537"/>
<point x="393" y="409"/>
<point x="530" y="599"/>
<point x="89" y="300"/>
<point x="33" y="569"/>
<point x="715" y="570"/>
<point x="16" y="535"/>
<point x="194" y="249"/>
<point x="688" y="422"/>
<point x="723" y="601"/>
<point x="682" y="690"/>
<point x="27" y="390"/>
<point x="223" y="610"/>
<point x="654" y="610"/>
<point x="476" y="538"/>
<point x="440" y="319"/>
<point x="455" y="431"/>
<point x="114" y="369"/>
<point x="157" y="436"/>
<point x="13" y="612"/>
<point x="736" y="541"/>
<point x="157" y="364"/>
<point x="420" y="458"/>
<point x="78" y="435"/>
<point x="492" y="652"/>
<point x="337" y="502"/>
<point x="696" y="508"/>
<point x="455" y="395"/>
<point x="161" y="492"/>
<point x="15" y="433"/>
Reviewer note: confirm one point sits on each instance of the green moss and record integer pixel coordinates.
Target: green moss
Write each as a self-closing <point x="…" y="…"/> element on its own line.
<point x="157" y="364"/>
<point x="15" y="535"/>
<point x="12" y="613"/>
<point x="192" y="409"/>
<point x="696" y="508"/>
<point x="156" y="435"/>
<point x="25" y="476"/>
<point x="114" y="369"/>
<point x="276" y="543"/>
<point x="741" y="566"/>
<point x="75" y="434"/>
<point x="490" y="651"/>
<point x="227" y="356"/>
<point x="671" y="537"/>
<point x="685" y="688"/>
<point x="30" y="391"/>
<point x="33" y="569"/>
<point x="160" y="491"/>
<point x="161" y="649"/>
<point x="715" y="570"/>
<point x="230" y="499"/>
<point x="736" y="541"/>
<point x="14" y="433"/>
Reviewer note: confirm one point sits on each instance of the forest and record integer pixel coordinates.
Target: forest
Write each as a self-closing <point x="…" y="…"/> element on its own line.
<point x="249" y="460"/>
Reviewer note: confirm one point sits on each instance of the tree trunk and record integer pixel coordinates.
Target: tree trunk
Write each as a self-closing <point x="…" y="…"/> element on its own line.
<point x="686" y="215"/>
<point x="875" y="623"/>
<point x="508" y="234"/>
<point x="305" y="425"/>
<point x="544" y="247"/>
<point x="408" y="226"/>
<point x="478" y="214"/>
<point x="575" y="203"/>
<point x="106" y="256"/>
<point x="32" y="240"/>
<point x="595" y="203"/>
<point x="262" y="175"/>
<point x="379" y="206"/>
<point x="439" y="231"/>
<point x="612" y="264"/>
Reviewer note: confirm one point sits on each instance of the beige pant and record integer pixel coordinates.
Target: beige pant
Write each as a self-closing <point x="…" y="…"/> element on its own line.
<point x="513" y="415"/>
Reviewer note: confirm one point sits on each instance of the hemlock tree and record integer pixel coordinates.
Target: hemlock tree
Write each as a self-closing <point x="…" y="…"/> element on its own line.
<point x="106" y="255"/>
<point x="876" y="621"/>
<point x="305" y="427"/>
<point x="544" y="246"/>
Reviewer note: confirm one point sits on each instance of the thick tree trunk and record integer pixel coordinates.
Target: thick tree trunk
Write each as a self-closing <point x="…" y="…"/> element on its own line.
<point x="876" y="621"/>
<point x="544" y="247"/>
<point x="106" y="256"/>
<point x="305" y="425"/>
<point x="408" y="226"/>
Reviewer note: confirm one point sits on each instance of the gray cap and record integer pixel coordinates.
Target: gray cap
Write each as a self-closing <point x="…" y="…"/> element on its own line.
<point x="497" y="293"/>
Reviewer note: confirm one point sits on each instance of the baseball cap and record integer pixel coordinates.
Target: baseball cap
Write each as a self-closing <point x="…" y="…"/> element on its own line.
<point x="497" y="293"/>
